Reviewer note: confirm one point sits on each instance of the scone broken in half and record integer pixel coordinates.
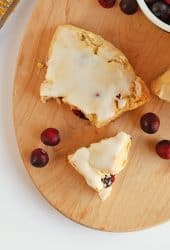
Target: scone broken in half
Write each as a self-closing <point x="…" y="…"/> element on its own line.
<point x="91" y="75"/>
<point x="161" y="86"/>
<point x="102" y="161"/>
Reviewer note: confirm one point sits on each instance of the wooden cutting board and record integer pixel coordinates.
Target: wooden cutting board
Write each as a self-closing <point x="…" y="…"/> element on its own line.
<point x="141" y="194"/>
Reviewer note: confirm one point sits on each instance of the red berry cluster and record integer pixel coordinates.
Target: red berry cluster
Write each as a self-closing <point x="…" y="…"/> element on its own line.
<point x="129" y="7"/>
<point x="150" y="124"/>
<point x="160" y="8"/>
<point x="39" y="157"/>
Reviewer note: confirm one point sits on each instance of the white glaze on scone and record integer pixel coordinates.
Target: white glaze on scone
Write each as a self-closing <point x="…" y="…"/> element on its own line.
<point x="89" y="73"/>
<point x="107" y="157"/>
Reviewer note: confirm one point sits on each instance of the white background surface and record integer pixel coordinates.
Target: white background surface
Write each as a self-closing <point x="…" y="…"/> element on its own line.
<point x="27" y="221"/>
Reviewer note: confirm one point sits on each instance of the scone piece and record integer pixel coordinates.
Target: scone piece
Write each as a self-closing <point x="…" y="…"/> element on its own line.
<point x="91" y="75"/>
<point x="161" y="86"/>
<point x="99" y="163"/>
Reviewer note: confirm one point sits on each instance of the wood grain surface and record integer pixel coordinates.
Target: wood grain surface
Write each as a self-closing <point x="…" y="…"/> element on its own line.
<point x="141" y="193"/>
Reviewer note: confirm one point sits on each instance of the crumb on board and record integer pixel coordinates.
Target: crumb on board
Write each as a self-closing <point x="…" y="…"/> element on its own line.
<point x="40" y="65"/>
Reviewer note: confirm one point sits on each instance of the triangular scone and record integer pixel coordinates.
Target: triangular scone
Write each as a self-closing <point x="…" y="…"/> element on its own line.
<point x="99" y="163"/>
<point x="91" y="75"/>
<point x="161" y="86"/>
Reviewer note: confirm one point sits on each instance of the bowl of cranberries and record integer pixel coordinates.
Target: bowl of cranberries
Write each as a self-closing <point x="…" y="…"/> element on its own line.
<point x="157" y="11"/>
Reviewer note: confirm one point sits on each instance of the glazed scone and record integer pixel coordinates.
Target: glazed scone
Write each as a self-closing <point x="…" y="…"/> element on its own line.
<point x="161" y="86"/>
<point x="91" y="75"/>
<point x="100" y="162"/>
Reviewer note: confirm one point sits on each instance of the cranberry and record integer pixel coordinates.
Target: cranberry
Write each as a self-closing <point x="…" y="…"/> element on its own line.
<point x="118" y="96"/>
<point x="97" y="94"/>
<point x="129" y="7"/>
<point x="108" y="180"/>
<point x="107" y="3"/>
<point x="150" y="123"/>
<point x="149" y="2"/>
<point x="161" y="10"/>
<point x="163" y="149"/>
<point x="50" y="137"/>
<point x="39" y="158"/>
<point x="167" y="2"/>
<point x="112" y="178"/>
<point x="79" y="114"/>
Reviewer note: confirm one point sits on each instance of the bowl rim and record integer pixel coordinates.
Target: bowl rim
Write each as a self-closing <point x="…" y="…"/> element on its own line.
<point x="148" y="13"/>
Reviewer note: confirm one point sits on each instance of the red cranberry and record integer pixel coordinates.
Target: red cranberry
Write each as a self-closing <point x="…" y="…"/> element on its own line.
<point x="107" y="3"/>
<point x="108" y="180"/>
<point x="50" y="137"/>
<point x="129" y="7"/>
<point x="39" y="158"/>
<point x="167" y="1"/>
<point x="97" y="94"/>
<point x="79" y="114"/>
<point x="150" y="123"/>
<point x="161" y="10"/>
<point x="118" y="96"/>
<point x="150" y="2"/>
<point x="163" y="149"/>
<point x="112" y="178"/>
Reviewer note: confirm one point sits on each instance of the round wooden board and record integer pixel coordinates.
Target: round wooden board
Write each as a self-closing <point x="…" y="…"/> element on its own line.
<point x="141" y="193"/>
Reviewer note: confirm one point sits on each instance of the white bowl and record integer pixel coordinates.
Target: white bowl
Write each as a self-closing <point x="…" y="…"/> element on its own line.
<point x="148" y="13"/>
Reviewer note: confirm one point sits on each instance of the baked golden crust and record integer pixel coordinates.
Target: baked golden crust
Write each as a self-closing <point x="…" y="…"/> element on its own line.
<point x="137" y="93"/>
<point x="161" y="86"/>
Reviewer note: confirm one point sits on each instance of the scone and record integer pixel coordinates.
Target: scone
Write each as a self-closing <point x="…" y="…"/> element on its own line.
<point x="161" y="86"/>
<point x="102" y="161"/>
<point x="91" y="75"/>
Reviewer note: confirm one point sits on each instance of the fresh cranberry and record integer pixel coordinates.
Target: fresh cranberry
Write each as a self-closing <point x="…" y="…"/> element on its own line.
<point x="79" y="114"/>
<point x="150" y="123"/>
<point x="167" y="2"/>
<point x="161" y="10"/>
<point x="50" y="137"/>
<point x="107" y="3"/>
<point x="150" y="2"/>
<point x="39" y="158"/>
<point x="97" y="94"/>
<point x="112" y="178"/>
<point x="118" y="96"/>
<point x="129" y="7"/>
<point x="108" y="180"/>
<point x="163" y="149"/>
